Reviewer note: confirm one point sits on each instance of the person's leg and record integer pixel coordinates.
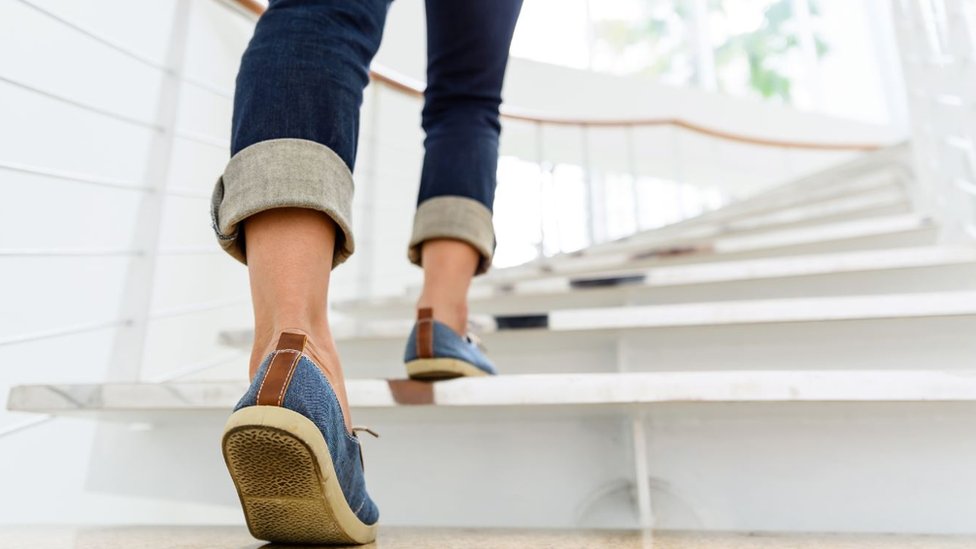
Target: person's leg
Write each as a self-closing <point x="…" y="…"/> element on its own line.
<point x="449" y="266"/>
<point x="289" y="254"/>
<point x="453" y="239"/>
<point x="283" y="204"/>
<point x="282" y="207"/>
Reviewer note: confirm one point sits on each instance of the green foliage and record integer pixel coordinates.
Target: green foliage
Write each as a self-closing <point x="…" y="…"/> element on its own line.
<point x="657" y="32"/>
<point x="766" y="49"/>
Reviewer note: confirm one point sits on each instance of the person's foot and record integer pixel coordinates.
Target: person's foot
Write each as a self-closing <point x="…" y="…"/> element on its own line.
<point x="320" y="348"/>
<point x="436" y="351"/>
<point x="297" y="468"/>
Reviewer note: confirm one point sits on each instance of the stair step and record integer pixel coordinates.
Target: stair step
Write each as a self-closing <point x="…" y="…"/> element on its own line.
<point x="874" y="201"/>
<point x="854" y="332"/>
<point x="765" y="311"/>
<point x="876" y="233"/>
<point x="815" y="309"/>
<point x="206" y="537"/>
<point x="781" y="201"/>
<point x="529" y="390"/>
<point x="848" y="273"/>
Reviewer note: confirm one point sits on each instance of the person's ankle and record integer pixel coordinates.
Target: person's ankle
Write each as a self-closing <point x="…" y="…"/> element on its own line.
<point x="453" y="314"/>
<point x="320" y="347"/>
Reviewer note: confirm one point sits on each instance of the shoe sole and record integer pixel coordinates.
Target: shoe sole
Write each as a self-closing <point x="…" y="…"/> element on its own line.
<point x="283" y="472"/>
<point x="442" y="368"/>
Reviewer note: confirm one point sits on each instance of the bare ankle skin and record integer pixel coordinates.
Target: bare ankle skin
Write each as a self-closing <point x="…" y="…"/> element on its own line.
<point x="449" y="265"/>
<point x="319" y="347"/>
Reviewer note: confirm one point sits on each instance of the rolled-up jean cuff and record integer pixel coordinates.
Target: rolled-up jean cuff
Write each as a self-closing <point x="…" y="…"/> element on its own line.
<point x="454" y="217"/>
<point x="282" y="173"/>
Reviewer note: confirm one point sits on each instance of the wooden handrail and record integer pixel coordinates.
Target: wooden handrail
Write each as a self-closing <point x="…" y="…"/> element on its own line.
<point x="414" y="88"/>
<point x="253" y="6"/>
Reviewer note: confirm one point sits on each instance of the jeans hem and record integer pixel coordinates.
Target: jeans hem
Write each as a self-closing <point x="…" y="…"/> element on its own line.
<point x="281" y="173"/>
<point x="454" y="217"/>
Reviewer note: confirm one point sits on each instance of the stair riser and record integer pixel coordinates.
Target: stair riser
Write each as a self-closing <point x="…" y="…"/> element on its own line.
<point x="885" y="194"/>
<point x="888" y="343"/>
<point x="924" y="279"/>
<point x="765" y="243"/>
<point x="912" y="237"/>
<point x="920" y="279"/>
<point x="714" y="222"/>
<point x="821" y="188"/>
<point x="823" y="467"/>
<point x="883" y="208"/>
<point x="873" y="202"/>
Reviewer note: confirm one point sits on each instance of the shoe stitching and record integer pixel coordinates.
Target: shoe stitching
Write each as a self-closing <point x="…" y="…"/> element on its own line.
<point x="265" y="378"/>
<point x="291" y="373"/>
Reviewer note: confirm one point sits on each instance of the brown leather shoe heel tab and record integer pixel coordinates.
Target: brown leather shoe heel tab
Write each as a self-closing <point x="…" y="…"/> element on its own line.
<point x="275" y="383"/>
<point x="425" y="333"/>
<point x="291" y="342"/>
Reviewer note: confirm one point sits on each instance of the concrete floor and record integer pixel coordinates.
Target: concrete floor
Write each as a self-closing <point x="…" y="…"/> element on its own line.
<point x="229" y="537"/>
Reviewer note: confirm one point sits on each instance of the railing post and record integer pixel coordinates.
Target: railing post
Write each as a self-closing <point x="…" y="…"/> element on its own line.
<point x="642" y="477"/>
<point x="129" y="346"/>
<point x="545" y="171"/>
<point x="591" y="193"/>
<point x="678" y="171"/>
<point x="634" y="176"/>
<point x="129" y="350"/>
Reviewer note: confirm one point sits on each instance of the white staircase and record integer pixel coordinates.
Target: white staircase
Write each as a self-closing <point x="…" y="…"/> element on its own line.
<point x="799" y="361"/>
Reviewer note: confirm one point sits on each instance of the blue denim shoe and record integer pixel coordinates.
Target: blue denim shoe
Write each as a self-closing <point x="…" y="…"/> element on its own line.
<point x="298" y="471"/>
<point x="435" y="351"/>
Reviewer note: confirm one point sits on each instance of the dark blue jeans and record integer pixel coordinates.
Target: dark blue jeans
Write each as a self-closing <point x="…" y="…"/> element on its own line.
<point x="296" y="115"/>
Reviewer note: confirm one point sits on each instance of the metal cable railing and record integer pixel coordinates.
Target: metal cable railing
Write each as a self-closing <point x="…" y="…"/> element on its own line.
<point x="112" y="184"/>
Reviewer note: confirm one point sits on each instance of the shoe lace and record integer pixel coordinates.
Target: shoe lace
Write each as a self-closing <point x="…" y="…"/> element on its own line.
<point x="476" y="341"/>
<point x="360" y="428"/>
